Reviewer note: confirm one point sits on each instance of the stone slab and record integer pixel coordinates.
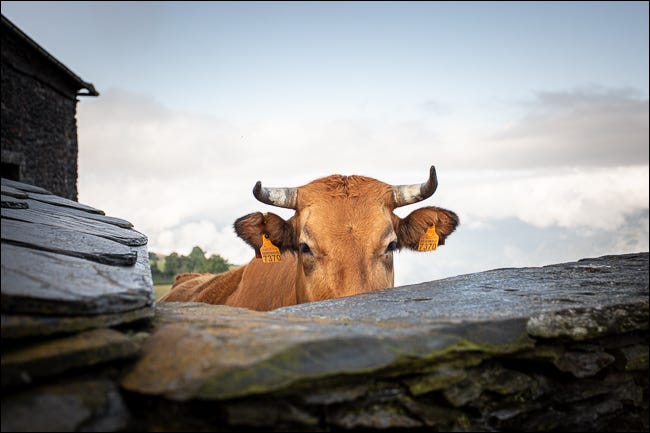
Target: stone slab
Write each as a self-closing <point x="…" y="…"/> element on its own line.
<point x="201" y="351"/>
<point x="25" y="363"/>
<point x="236" y="352"/>
<point x="80" y="405"/>
<point x="67" y="242"/>
<point x="39" y="282"/>
<point x="58" y="210"/>
<point x="16" y="326"/>
<point x="77" y="223"/>
<point x="64" y="202"/>
<point x="23" y="186"/>
<point x="13" y="192"/>
<point x="13" y="202"/>
<point x="497" y="294"/>
<point x="24" y="190"/>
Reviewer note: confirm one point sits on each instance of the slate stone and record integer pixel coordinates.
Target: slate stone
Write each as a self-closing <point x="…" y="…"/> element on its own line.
<point x="463" y="392"/>
<point x="88" y="405"/>
<point x="13" y="202"/>
<point x="581" y="323"/>
<point x="68" y="273"/>
<point x="632" y="358"/>
<point x="442" y="378"/>
<point x="579" y="363"/>
<point x="23" y="190"/>
<point x="378" y="416"/>
<point x="507" y="293"/>
<point x="584" y="364"/>
<point x="64" y="202"/>
<point x="263" y="414"/>
<point x="21" y="325"/>
<point x="431" y="414"/>
<point x="38" y="282"/>
<point x="64" y="211"/>
<point x="324" y="395"/>
<point x="23" y="186"/>
<point x="504" y="381"/>
<point x="78" y="223"/>
<point x="67" y="242"/>
<point x="63" y="257"/>
<point x="25" y="363"/>
<point x="236" y="352"/>
<point x="384" y="405"/>
<point x="13" y="192"/>
<point x="626" y="387"/>
<point x="532" y="353"/>
<point x="590" y="414"/>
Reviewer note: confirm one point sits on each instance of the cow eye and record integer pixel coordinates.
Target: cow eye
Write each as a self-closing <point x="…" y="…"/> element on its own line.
<point x="303" y="248"/>
<point x="391" y="247"/>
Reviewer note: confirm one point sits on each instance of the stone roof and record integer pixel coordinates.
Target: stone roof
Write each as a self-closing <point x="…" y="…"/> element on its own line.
<point x="560" y="347"/>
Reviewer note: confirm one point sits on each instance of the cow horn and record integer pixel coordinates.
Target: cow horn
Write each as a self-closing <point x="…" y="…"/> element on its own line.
<point x="409" y="194"/>
<point x="280" y="197"/>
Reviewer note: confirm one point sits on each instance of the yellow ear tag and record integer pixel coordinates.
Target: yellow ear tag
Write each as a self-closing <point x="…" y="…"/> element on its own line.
<point x="429" y="240"/>
<point x="270" y="253"/>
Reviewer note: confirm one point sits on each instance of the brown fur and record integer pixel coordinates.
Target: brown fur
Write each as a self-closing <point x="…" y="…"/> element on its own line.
<point x="257" y="286"/>
<point x="336" y="244"/>
<point x="410" y="229"/>
<point x="208" y="288"/>
<point x="266" y="286"/>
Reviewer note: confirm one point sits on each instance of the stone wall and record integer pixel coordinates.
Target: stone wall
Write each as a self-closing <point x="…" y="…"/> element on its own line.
<point x="39" y="130"/>
<point x="557" y="348"/>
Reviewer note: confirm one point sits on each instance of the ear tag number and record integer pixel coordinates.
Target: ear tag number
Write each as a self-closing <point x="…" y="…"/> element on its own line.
<point x="429" y="240"/>
<point x="270" y="253"/>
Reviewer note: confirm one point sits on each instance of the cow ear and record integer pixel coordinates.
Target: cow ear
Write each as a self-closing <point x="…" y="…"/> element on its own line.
<point x="253" y="226"/>
<point x="416" y="224"/>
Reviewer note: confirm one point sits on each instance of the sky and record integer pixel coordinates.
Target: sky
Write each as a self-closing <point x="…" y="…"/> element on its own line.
<point x="535" y="115"/>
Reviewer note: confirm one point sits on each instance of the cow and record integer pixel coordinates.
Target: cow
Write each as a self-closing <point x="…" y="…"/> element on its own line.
<point x="339" y="242"/>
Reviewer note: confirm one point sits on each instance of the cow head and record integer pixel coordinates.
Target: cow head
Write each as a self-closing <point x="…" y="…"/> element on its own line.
<point x="344" y="231"/>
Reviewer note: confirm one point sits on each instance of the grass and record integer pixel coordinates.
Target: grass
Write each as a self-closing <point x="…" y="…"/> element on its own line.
<point x="161" y="290"/>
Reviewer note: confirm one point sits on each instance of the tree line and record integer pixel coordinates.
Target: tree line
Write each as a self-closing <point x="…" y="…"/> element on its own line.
<point x="164" y="268"/>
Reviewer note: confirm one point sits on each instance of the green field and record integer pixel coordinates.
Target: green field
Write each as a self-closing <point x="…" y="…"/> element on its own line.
<point x="161" y="290"/>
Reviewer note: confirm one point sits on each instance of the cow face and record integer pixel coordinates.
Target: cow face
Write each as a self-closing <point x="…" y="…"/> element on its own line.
<point x="344" y="231"/>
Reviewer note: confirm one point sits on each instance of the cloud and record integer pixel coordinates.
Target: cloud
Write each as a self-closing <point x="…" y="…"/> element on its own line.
<point x="590" y="127"/>
<point x="510" y="242"/>
<point x="585" y="127"/>
<point x="124" y="133"/>
<point x="597" y="198"/>
<point x="435" y="107"/>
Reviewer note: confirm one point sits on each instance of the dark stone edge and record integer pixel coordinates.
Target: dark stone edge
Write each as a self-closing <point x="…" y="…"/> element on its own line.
<point x="23" y="325"/>
<point x="118" y="303"/>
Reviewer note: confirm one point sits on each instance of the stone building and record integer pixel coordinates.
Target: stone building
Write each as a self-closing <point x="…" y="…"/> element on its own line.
<point x="39" y="104"/>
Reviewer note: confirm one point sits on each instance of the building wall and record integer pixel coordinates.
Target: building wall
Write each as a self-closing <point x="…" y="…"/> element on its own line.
<point x="39" y="130"/>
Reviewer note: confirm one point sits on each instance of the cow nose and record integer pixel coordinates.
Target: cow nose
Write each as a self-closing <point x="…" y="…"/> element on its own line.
<point x="354" y="281"/>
